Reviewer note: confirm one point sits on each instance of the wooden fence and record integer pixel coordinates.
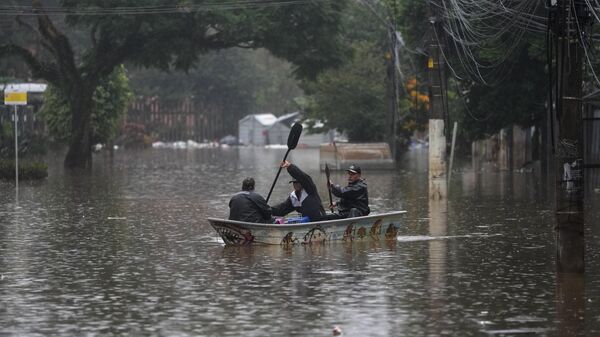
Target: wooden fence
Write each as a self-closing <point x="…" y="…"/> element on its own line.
<point x="180" y="119"/>
<point x="162" y="119"/>
<point x="28" y="121"/>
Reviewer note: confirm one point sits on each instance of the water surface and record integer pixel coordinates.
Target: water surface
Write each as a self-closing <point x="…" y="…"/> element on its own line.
<point x="124" y="249"/>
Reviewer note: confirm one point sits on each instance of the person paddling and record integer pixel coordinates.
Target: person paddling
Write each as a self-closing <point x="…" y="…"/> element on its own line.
<point x="304" y="198"/>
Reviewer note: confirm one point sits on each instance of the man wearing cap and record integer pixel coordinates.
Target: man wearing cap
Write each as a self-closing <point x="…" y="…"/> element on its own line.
<point x="304" y="198"/>
<point x="354" y="198"/>
<point x="248" y="205"/>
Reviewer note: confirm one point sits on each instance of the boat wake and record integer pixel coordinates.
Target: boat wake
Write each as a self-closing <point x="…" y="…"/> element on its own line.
<point x="411" y="238"/>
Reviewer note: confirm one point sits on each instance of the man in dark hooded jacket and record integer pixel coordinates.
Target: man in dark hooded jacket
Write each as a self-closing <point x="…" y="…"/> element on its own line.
<point x="248" y="205"/>
<point x="304" y="198"/>
<point x="354" y="198"/>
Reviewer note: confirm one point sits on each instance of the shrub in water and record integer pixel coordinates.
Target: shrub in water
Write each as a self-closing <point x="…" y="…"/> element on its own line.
<point x="27" y="170"/>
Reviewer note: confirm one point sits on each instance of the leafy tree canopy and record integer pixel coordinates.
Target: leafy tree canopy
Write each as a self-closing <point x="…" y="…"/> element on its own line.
<point x="155" y="33"/>
<point x="351" y="99"/>
<point x="239" y="81"/>
<point x="111" y="100"/>
<point x="513" y="67"/>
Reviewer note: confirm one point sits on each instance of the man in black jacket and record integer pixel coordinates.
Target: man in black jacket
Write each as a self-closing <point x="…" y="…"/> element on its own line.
<point x="354" y="198"/>
<point x="248" y="205"/>
<point x="304" y="198"/>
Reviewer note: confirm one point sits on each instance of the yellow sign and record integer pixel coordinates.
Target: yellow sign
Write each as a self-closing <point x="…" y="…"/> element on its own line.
<point x="15" y="98"/>
<point x="430" y="63"/>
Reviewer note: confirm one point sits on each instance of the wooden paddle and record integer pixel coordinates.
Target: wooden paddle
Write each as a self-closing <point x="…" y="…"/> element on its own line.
<point x="292" y="141"/>
<point x="328" y="189"/>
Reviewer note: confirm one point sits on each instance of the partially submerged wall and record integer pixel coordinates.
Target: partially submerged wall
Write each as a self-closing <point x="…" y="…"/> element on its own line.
<point x="338" y="156"/>
<point x="511" y="149"/>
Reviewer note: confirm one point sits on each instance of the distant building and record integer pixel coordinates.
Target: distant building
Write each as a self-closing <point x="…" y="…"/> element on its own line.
<point x="254" y="129"/>
<point x="266" y="129"/>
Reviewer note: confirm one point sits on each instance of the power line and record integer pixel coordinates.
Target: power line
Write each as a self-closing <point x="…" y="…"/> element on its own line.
<point x="13" y="10"/>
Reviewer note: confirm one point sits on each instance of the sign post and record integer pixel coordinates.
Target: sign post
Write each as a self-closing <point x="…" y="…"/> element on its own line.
<point x="14" y="95"/>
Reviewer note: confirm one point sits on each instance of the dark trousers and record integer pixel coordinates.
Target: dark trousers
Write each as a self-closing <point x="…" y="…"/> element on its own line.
<point x="347" y="213"/>
<point x="351" y="213"/>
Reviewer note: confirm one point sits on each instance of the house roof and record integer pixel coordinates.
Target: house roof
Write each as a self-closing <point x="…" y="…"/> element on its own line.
<point x="264" y="119"/>
<point x="288" y="119"/>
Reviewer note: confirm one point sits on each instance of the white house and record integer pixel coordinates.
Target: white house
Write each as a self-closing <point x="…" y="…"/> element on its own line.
<point x="266" y="129"/>
<point x="254" y="129"/>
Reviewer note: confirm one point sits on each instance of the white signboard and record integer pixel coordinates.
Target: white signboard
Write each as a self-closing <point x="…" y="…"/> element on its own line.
<point x="16" y="94"/>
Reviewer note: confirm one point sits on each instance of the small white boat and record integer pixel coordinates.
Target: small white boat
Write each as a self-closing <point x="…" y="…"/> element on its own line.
<point x="370" y="227"/>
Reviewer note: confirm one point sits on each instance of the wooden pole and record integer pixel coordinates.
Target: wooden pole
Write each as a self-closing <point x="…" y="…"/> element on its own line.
<point x="570" y="304"/>
<point x="569" y="144"/>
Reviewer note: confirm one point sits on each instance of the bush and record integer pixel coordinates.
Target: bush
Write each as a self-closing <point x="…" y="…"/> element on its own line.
<point x="134" y="136"/>
<point x="27" y="170"/>
<point x="31" y="144"/>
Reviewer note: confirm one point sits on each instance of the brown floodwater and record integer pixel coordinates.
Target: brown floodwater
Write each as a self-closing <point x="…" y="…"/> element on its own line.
<point x="124" y="249"/>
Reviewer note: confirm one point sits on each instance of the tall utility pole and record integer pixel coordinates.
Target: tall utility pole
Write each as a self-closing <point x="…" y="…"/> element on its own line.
<point x="394" y="87"/>
<point x="568" y="140"/>
<point x="437" y="140"/>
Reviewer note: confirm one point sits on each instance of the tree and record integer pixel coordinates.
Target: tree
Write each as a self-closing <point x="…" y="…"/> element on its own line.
<point x="163" y="36"/>
<point x="494" y="82"/>
<point x="352" y="98"/>
<point x="236" y="81"/>
<point x="110" y="102"/>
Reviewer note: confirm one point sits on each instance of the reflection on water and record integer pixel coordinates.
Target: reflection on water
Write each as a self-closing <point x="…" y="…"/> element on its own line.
<point x="124" y="250"/>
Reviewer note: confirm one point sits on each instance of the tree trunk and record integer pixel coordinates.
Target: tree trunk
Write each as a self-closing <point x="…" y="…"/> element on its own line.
<point x="80" y="147"/>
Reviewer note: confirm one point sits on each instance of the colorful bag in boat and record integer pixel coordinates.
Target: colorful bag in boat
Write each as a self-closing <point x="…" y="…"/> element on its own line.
<point x="298" y="219"/>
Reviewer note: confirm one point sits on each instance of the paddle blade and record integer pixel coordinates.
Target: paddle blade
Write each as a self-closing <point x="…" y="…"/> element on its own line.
<point x="294" y="136"/>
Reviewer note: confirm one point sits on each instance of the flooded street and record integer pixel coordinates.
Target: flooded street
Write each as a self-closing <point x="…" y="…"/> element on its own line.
<point x="125" y="250"/>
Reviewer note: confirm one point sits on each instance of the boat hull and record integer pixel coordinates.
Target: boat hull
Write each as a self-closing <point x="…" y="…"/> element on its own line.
<point x="371" y="227"/>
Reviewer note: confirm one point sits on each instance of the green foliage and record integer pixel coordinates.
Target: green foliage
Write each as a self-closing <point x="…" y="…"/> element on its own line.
<point x="304" y="35"/>
<point x="27" y="170"/>
<point x="154" y="33"/>
<point x="111" y="99"/>
<point x="236" y="81"/>
<point x="522" y="94"/>
<point x="351" y="98"/>
<point x="515" y="91"/>
<point x="30" y="145"/>
<point x="7" y="143"/>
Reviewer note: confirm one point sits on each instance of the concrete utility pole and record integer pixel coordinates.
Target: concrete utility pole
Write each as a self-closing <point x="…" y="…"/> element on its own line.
<point x="437" y="139"/>
<point x="568" y="157"/>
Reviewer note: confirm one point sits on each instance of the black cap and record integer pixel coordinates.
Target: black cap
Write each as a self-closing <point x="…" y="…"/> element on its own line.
<point x="354" y="169"/>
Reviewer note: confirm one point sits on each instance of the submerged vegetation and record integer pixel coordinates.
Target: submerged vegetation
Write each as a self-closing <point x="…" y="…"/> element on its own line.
<point x="27" y="170"/>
